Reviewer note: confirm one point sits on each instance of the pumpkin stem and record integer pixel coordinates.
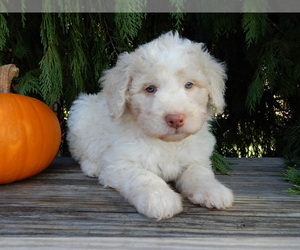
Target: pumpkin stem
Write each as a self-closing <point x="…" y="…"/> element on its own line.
<point x="7" y="73"/>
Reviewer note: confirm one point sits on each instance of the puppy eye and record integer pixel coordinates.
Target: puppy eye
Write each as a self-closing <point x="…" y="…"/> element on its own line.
<point x="151" y="89"/>
<point x="188" y="85"/>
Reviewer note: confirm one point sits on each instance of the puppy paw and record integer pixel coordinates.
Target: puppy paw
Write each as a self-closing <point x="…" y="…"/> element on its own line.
<point x="159" y="203"/>
<point x="211" y="195"/>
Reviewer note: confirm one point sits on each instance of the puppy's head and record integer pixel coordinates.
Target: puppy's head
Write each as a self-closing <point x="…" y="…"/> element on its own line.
<point x="170" y="86"/>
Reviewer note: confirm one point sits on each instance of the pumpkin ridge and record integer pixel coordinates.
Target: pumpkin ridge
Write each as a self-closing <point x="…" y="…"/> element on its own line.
<point x="36" y="131"/>
<point x="14" y="144"/>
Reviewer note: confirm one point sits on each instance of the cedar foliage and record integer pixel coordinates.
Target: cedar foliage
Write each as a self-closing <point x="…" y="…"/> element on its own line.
<point x="61" y="55"/>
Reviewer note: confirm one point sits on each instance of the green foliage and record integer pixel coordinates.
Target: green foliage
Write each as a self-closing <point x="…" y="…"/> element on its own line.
<point x="256" y="90"/>
<point x="293" y="176"/>
<point x="255" y="25"/>
<point x="218" y="26"/>
<point x="99" y="49"/>
<point x="30" y="83"/>
<point x="291" y="140"/>
<point x="77" y="59"/>
<point x="130" y="6"/>
<point x="4" y="32"/>
<point x="51" y="67"/>
<point x="255" y="6"/>
<point x="51" y="76"/>
<point x="262" y="57"/>
<point x="178" y="16"/>
<point x="129" y="23"/>
<point x="49" y="32"/>
<point x="223" y="26"/>
<point x="219" y="163"/>
<point x="275" y="69"/>
<point x="291" y="151"/>
<point x="178" y="4"/>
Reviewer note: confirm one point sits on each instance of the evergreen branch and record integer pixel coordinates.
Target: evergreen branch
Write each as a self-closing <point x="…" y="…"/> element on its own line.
<point x="51" y="77"/>
<point x="23" y="18"/>
<point x="111" y="39"/>
<point x="2" y="6"/>
<point x="128" y="25"/>
<point x="293" y="191"/>
<point x="255" y="92"/>
<point x="219" y="163"/>
<point x="255" y="25"/>
<point x="224" y="25"/>
<point x="178" y="16"/>
<point x="130" y="22"/>
<point x="78" y="59"/>
<point x="292" y="143"/>
<point x="30" y="83"/>
<point x="49" y="33"/>
<point x="255" y="6"/>
<point x="292" y="176"/>
<point x="100" y="56"/>
<point x="1" y="58"/>
<point x="130" y="6"/>
<point x="178" y="4"/>
<point x="4" y="32"/>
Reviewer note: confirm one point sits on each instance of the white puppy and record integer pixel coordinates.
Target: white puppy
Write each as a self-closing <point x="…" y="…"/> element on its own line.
<point x="150" y="125"/>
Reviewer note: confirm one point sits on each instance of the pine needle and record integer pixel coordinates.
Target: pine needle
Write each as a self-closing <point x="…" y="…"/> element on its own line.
<point x="4" y="32"/>
<point x="219" y="163"/>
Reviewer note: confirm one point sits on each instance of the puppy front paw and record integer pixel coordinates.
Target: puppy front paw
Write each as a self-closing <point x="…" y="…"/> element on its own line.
<point x="160" y="203"/>
<point x="211" y="195"/>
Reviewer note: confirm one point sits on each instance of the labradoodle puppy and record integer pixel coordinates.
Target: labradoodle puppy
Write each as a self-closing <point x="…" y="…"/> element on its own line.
<point x="150" y="125"/>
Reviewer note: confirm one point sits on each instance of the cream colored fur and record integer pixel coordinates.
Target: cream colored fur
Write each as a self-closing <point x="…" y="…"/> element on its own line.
<point x="121" y="134"/>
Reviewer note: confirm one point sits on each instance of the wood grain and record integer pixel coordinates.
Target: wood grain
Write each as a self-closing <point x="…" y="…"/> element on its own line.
<point x="62" y="203"/>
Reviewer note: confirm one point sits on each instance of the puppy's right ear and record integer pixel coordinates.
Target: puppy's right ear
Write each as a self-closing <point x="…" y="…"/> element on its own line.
<point x="115" y="84"/>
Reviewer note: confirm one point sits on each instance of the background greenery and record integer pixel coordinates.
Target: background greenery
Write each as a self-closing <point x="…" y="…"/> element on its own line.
<point x="60" y="55"/>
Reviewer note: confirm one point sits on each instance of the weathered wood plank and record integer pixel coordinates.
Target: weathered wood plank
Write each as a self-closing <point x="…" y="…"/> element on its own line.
<point x="62" y="202"/>
<point x="149" y="243"/>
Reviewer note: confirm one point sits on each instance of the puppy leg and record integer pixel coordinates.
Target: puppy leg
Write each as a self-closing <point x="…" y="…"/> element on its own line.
<point x="89" y="168"/>
<point x="149" y="194"/>
<point x="199" y="185"/>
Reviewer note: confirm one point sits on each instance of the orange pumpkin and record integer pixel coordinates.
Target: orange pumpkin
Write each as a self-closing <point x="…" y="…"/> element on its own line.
<point x="29" y="134"/>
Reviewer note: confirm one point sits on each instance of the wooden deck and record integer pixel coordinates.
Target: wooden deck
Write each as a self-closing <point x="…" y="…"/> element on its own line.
<point x="62" y="207"/>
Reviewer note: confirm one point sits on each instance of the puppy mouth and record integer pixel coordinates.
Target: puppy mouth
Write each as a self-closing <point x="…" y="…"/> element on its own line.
<point x="175" y="135"/>
<point x="177" y="131"/>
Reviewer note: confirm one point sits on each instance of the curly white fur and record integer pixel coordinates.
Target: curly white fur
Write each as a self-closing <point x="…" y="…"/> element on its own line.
<point x="135" y="139"/>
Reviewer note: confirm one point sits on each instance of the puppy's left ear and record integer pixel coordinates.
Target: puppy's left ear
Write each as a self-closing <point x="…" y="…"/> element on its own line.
<point x="115" y="84"/>
<point x="216" y="76"/>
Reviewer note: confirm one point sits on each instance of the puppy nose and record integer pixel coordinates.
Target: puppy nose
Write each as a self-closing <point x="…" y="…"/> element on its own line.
<point x="175" y="120"/>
